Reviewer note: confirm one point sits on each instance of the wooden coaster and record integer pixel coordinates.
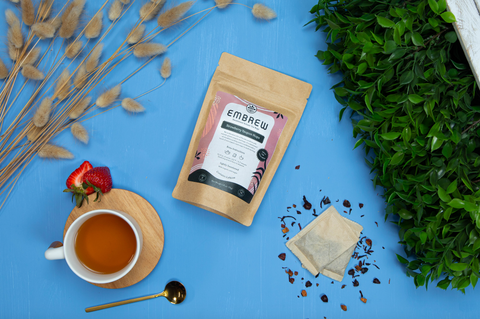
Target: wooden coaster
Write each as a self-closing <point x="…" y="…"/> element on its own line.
<point x="149" y="221"/>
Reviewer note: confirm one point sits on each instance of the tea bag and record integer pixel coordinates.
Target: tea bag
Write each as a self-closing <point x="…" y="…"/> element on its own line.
<point x="326" y="245"/>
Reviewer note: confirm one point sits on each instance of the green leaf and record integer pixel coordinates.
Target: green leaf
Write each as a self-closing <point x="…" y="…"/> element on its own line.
<point x="436" y="143"/>
<point x="417" y="39"/>
<point x="389" y="46"/>
<point x="443" y="195"/>
<point x="433" y="5"/>
<point x="456" y="203"/>
<point x="332" y="24"/>
<point x="442" y="5"/>
<point x="473" y="280"/>
<point x="402" y="260"/>
<point x="397" y="158"/>
<point x="362" y="68"/>
<point x="423" y="237"/>
<point x="452" y="187"/>
<point x="433" y="22"/>
<point x="447" y="150"/>
<point x="448" y="17"/>
<point x="451" y="36"/>
<point x="406" y="77"/>
<point x="458" y="266"/>
<point x="384" y="22"/>
<point x="341" y="91"/>
<point x="405" y="214"/>
<point x="415" y="98"/>
<point x="390" y="136"/>
<point x="443" y="284"/>
<point x="358" y="143"/>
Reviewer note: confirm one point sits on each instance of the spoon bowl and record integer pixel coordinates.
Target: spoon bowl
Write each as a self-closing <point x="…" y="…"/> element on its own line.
<point x="174" y="291"/>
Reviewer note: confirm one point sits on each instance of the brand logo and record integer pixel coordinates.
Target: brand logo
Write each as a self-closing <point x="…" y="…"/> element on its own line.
<point x="251" y="108"/>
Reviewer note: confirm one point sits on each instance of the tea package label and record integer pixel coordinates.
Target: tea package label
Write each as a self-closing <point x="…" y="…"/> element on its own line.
<point x="237" y="143"/>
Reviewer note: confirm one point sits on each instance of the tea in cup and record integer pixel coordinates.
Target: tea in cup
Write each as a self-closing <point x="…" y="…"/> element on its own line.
<point x="100" y="246"/>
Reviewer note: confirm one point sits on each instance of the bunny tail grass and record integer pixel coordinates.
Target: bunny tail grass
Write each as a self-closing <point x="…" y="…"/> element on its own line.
<point x="11" y="18"/>
<point x="15" y="36"/>
<point x="79" y="132"/>
<point x="54" y="152"/>
<point x="166" y="69"/>
<point x="136" y="34"/>
<point x="92" y="61"/>
<point x="222" y="3"/>
<point x="63" y="86"/>
<point x="32" y="73"/>
<point x="144" y="50"/>
<point x="115" y="10"/>
<point x="132" y="106"/>
<point x="70" y="22"/>
<point x="73" y="49"/>
<point x="12" y="51"/>
<point x="79" y="108"/>
<point x="32" y="56"/>
<point x="3" y="70"/>
<point x="261" y="11"/>
<point x="34" y="133"/>
<point x="125" y="1"/>
<point x="28" y="12"/>
<point x="55" y="22"/>
<point x="108" y="97"/>
<point x="174" y="14"/>
<point x="43" y="30"/>
<point x="150" y="10"/>
<point x="94" y="28"/>
<point x="45" y="9"/>
<point x="80" y="77"/>
<point x="42" y="115"/>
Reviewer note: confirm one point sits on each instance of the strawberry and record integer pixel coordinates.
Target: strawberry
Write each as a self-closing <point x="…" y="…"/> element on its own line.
<point x="87" y="180"/>
<point x="99" y="179"/>
<point x="75" y="183"/>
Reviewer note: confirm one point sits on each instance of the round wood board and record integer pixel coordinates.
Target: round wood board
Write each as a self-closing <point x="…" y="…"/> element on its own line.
<point x="149" y="221"/>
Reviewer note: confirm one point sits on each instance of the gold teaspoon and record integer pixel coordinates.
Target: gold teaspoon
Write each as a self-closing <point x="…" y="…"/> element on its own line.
<point x="174" y="291"/>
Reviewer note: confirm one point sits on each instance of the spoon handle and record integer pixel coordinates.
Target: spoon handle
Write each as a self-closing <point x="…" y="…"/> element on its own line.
<point x="123" y="302"/>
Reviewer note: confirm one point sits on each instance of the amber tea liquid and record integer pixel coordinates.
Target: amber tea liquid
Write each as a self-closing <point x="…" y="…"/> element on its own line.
<point x="105" y="244"/>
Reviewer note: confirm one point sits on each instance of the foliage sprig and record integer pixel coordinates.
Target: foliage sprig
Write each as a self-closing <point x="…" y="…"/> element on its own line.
<point x="414" y="107"/>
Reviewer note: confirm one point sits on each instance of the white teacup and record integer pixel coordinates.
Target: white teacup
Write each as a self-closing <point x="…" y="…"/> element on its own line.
<point x="66" y="251"/>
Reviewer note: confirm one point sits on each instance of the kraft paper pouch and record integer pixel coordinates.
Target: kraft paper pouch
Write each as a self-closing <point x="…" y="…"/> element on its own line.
<point x="326" y="245"/>
<point x="246" y="122"/>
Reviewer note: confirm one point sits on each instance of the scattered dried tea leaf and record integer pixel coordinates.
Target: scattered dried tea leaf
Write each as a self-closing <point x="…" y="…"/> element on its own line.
<point x="304" y="293"/>
<point x="282" y="256"/>
<point x="344" y="308"/>
<point x="308" y="284"/>
<point x="351" y="272"/>
<point x="327" y="201"/>
<point x="364" y="270"/>
<point x="360" y="205"/>
<point x="297" y="167"/>
<point x="299" y="212"/>
<point x="307" y="205"/>
<point x="296" y="273"/>
<point x="356" y="283"/>
<point x="343" y="286"/>
<point x="285" y="230"/>
<point x="294" y="206"/>
<point x="324" y="298"/>
<point x="319" y="285"/>
<point x="282" y="225"/>
<point x="363" y="300"/>
<point x="376" y="281"/>
<point x="292" y="280"/>
<point x="368" y="242"/>
<point x="347" y="204"/>
<point x="289" y="272"/>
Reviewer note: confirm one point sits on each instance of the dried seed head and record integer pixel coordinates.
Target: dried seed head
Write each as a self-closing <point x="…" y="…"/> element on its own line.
<point x="63" y="86"/>
<point x="3" y="70"/>
<point x="73" y="49"/>
<point x="13" y="52"/>
<point x="15" y="1"/>
<point x="32" y="73"/>
<point x="94" y="28"/>
<point x="166" y="69"/>
<point x="143" y="50"/>
<point x="54" y="152"/>
<point x="136" y="34"/>
<point x="108" y="97"/>
<point x="125" y="1"/>
<point x="174" y="14"/>
<point x="15" y="36"/>
<point x="261" y="11"/>
<point x="44" y="30"/>
<point x="34" y="133"/>
<point x="45" y="9"/>
<point x="80" y="77"/>
<point x="158" y="1"/>
<point x="132" y="106"/>
<point x="79" y="132"/>
<point x="70" y="23"/>
<point x="74" y="3"/>
<point x="55" y="22"/>
<point x="115" y="10"/>
<point x="32" y="56"/>
<point x="28" y="12"/>
<point x="11" y="18"/>
<point x="222" y="3"/>
<point x="92" y="61"/>
<point x="79" y="108"/>
<point x="42" y="115"/>
<point x="149" y="10"/>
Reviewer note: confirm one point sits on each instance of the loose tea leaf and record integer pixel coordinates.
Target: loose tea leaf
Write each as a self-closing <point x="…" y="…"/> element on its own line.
<point x="416" y="106"/>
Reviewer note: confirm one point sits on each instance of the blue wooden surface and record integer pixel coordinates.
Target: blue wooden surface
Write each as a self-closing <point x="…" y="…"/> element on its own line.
<point x="230" y="271"/>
